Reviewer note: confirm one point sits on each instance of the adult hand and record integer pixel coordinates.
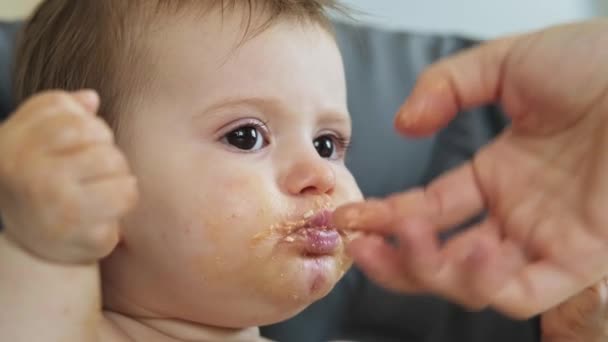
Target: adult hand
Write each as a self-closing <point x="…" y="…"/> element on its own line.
<point x="542" y="182"/>
<point x="583" y="318"/>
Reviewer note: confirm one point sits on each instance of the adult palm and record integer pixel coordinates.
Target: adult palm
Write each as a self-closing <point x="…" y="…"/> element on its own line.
<point x="542" y="183"/>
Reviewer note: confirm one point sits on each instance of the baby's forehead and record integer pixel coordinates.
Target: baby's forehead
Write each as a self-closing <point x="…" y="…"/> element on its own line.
<point x="214" y="54"/>
<point x="267" y="71"/>
<point x="215" y="43"/>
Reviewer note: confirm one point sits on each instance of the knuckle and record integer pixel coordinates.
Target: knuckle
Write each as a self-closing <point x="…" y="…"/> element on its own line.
<point x="66" y="127"/>
<point x="128" y="196"/>
<point x="50" y="101"/>
<point x="67" y="210"/>
<point x="57" y="131"/>
<point x="15" y="160"/>
<point x="44" y="98"/>
<point x="92" y="130"/>
<point x="131" y="194"/>
<point x="113" y="159"/>
<point x="100" y="123"/>
<point x="57" y="99"/>
<point x="55" y="200"/>
<point x="36" y="183"/>
<point x="429" y="74"/>
<point x="38" y="186"/>
<point x="100" y="240"/>
<point x="101" y="128"/>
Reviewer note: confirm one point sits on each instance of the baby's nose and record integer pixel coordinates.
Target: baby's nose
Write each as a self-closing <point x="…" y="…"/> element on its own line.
<point x="311" y="176"/>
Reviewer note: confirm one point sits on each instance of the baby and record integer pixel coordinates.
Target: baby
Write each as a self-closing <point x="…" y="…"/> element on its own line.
<point x="204" y="211"/>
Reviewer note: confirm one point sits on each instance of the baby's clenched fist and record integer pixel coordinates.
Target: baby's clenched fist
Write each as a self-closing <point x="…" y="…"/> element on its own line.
<point x="64" y="185"/>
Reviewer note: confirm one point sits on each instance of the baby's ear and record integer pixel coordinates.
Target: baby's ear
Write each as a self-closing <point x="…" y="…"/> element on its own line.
<point x="88" y="98"/>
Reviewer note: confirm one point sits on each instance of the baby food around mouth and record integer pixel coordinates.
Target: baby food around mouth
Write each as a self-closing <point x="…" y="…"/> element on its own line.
<point x="318" y="216"/>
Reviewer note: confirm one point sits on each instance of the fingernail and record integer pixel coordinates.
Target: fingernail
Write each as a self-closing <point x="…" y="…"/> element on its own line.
<point x="406" y="117"/>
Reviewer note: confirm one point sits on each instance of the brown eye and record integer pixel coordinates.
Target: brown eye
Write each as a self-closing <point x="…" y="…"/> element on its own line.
<point x="246" y="138"/>
<point x="325" y="146"/>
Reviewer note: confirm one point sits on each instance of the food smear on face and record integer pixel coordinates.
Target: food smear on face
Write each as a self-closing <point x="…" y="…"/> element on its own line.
<point x="287" y="227"/>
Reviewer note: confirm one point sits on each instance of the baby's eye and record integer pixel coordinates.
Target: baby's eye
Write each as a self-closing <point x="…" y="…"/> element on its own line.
<point x="246" y="138"/>
<point x="331" y="146"/>
<point x="325" y="146"/>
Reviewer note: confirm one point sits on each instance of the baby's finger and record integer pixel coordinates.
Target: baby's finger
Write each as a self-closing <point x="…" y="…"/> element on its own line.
<point x="108" y="199"/>
<point x="96" y="162"/>
<point x="97" y="243"/>
<point x="68" y="132"/>
<point x="88" y="98"/>
<point x="50" y="103"/>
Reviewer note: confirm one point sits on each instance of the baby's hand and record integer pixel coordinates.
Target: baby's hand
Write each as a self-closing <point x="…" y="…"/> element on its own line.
<point x="63" y="183"/>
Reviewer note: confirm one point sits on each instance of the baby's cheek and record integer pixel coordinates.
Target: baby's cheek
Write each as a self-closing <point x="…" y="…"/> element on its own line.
<point x="232" y="216"/>
<point x="248" y="199"/>
<point x="347" y="189"/>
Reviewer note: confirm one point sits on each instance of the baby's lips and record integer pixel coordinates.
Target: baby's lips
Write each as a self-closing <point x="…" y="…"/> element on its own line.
<point x="320" y="219"/>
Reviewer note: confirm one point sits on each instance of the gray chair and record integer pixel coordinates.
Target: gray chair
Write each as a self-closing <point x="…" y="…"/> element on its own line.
<point x="7" y="41"/>
<point x="381" y="68"/>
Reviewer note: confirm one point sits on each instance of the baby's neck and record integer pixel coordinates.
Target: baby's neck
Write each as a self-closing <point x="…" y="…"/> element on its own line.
<point x="169" y="330"/>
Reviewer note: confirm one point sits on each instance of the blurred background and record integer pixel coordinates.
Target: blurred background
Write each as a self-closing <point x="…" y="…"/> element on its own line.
<point x="477" y="18"/>
<point x="474" y="18"/>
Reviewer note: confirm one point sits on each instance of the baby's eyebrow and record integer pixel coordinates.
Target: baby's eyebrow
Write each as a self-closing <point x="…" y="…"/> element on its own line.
<point x="335" y="117"/>
<point x="254" y="101"/>
<point x="275" y="104"/>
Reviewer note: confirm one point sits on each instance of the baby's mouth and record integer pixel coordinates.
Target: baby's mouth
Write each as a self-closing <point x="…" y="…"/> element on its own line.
<point x="310" y="220"/>
<point x="313" y="234"/>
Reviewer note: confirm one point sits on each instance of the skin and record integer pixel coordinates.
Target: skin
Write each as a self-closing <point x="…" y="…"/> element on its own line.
<point x="582" y="318"/>
<point x="542" y="181"/>
<point x="187" y="261"/>
<point x="65" y="185"/>
<point x="207" y="220"/>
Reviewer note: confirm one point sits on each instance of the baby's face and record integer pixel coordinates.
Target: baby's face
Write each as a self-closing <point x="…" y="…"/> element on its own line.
<point x="239" y="156"/>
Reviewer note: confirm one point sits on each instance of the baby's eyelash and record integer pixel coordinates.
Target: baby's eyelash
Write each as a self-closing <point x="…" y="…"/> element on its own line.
<point x="257" y="124"/>
<point x="343" y="142"/>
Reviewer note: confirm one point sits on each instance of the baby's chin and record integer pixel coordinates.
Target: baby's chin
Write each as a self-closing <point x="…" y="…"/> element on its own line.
<point x="316" y="276"/>
<point x="281" y="274"/>
<point x="305" y="264"/>
<point x="302" y="281"/>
